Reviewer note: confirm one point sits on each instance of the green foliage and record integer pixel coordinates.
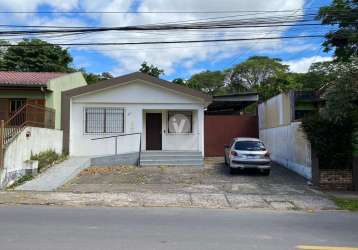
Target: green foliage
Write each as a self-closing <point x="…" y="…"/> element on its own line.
<point x="151" y="70"/>
<point x="179" y="81"/>
<point x="331" y="141"/>
<point x="255" y="71"/>
<point x="36" y="58"/>
<point x="47" y="158"/>
<point x="343" y="40"/>
<point x="93" y="78"/>
<point x="22" y="180"/>
<point x="211" y="82"/>
<point x="341" y="97"/>
<point x="283" y="82"/>
<point x="347" y="204"/>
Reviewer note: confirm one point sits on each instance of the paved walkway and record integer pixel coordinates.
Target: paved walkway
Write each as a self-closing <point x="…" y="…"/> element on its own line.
<point x="57" y="175"/>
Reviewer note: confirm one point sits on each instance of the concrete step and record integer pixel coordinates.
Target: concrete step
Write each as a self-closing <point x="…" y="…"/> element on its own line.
<point x="170" y="153"/>
<point x="161" y="162"/>
<point x="171" y="157"/>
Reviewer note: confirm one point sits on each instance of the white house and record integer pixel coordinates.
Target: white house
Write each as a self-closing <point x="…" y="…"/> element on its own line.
<point x="146" y="111"/>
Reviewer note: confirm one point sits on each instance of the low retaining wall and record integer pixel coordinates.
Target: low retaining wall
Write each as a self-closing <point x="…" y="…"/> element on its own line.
<point x="336" y="179"/>
<point x="29" y="141"/>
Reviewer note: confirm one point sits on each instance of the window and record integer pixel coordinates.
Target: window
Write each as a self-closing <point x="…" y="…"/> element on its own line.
<point x="249" y="146"/>
<point x="104" y="120"/>
<point x="180" y="122"/>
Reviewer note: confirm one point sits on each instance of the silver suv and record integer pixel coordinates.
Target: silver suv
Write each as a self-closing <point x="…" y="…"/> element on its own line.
<point x="247" y="153"/>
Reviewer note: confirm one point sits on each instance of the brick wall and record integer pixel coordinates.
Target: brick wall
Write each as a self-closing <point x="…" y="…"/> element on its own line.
<point x="336" y="179"/>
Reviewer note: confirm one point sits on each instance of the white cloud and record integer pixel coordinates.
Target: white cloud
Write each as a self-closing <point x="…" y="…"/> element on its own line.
<point x="128" y="58"/>
<point x="302" y="65"/>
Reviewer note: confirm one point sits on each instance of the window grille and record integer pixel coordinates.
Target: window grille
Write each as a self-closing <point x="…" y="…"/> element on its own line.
<point x="104" y="120"/>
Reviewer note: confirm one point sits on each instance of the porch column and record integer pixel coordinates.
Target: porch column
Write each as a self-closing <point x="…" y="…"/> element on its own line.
<point x="200" y="118"/>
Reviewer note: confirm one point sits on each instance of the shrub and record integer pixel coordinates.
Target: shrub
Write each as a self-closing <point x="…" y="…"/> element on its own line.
<point x="332" y="142"/>
<point x="47" y="158"/>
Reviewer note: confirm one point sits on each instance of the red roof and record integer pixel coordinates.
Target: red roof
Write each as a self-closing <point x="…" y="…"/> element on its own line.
<point x="31" y="79"/>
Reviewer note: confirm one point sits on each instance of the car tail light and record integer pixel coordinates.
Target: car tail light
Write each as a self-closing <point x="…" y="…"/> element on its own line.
<point x="234" y="153"/>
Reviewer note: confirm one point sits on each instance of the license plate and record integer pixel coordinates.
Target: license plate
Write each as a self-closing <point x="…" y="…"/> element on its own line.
<point x="253" y="156"/>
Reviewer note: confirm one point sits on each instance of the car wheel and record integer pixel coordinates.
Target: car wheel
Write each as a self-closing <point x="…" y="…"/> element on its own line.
<point x="266" y="172"/>
<point x="232" y="170"/>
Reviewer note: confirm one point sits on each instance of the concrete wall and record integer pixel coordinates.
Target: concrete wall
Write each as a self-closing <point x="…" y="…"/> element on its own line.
<point x="284" y="139"/>
<point x="136" y="98"/>
<point x="19" y="151"/>
<point x="289" y="147"/>
<point x="276" y="111"/>
<point x="56" y="86"/>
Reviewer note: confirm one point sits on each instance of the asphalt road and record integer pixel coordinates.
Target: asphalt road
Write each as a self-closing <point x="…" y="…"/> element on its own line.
<point x="39" y="228"/>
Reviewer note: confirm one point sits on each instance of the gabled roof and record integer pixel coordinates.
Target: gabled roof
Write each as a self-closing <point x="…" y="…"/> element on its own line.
<point x="117" y="81"/>
<point x="27" y="79"/>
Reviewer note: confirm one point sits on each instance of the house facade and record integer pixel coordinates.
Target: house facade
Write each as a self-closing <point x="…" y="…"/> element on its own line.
<point x="123" y="114"/>
<point x="42" y="89"/>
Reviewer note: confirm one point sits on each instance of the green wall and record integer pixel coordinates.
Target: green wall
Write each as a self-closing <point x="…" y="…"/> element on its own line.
<point x="56" y="86"/>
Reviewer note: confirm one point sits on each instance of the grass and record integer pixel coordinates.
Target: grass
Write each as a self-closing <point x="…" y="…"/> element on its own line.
<point x="347" y="204"/>
<point x="48" y="158"/>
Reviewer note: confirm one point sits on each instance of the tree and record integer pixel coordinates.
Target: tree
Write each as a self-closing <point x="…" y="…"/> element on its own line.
<point x="179" y="81"/>
<point x="210" y="82"/>
<point x="343" y="40"/>
<point x="93" y="78"/>
<point x="2" y="52"/>
<point x="255" y="71"/>
<point x="151" y="70"/>
<point x="36" y="55"/>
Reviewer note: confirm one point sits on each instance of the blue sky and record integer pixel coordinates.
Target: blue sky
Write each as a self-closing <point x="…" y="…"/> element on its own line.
<point x="176" y="60"/>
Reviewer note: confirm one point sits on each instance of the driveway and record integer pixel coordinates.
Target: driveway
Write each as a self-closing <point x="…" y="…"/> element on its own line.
<point x="210" y="186"/>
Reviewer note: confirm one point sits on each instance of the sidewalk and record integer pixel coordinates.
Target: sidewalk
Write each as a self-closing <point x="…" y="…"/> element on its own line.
<point x="185" y="200"/>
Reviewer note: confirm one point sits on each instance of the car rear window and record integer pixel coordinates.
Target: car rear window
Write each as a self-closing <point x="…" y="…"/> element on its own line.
<point x="249" y="146"/>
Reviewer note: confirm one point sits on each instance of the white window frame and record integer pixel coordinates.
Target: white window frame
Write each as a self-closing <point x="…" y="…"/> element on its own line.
<point x="191" y="120"/>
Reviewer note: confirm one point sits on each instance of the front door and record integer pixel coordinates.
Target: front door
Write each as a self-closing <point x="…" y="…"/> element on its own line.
<point x="153" y="136"/>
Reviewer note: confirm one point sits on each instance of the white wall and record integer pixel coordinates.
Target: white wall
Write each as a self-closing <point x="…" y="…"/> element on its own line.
<point x="289" y="147"/>
<point x="136" y="98"/>
<point x="20" y="149"/>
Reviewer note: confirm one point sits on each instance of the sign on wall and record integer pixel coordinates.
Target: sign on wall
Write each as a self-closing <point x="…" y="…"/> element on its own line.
<point x="180" y="122"/>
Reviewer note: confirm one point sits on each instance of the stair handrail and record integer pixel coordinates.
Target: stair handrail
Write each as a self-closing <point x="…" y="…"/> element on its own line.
<point x="116" y="140"/>
<point x="11" y="128"/>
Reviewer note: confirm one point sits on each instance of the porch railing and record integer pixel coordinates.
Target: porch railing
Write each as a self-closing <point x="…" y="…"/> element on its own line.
<point x="29" y="115"/>
<point x="116" y="142"/>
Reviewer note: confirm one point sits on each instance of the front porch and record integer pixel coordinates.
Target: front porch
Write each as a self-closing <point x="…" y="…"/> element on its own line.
<point x="172" y="130"/>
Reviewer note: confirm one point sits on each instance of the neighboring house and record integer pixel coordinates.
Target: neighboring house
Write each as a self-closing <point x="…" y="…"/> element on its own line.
<point x="36" y="88"/>
<point x="279" y="128"/>
<point x="148" y="112"/>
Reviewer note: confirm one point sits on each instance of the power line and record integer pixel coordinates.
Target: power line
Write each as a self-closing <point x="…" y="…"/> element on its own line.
<point x="163" y="42"/>
<point x="149" y="12"/>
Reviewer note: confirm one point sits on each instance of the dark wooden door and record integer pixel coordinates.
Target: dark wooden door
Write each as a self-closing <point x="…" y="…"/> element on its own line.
<point x="153" y="131"/>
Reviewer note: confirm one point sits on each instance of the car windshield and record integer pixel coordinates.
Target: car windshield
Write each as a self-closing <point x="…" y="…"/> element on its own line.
<point x="249" y="146"/>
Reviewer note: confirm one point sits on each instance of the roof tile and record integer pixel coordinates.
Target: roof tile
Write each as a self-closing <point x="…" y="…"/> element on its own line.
<point x="31" y="79"/>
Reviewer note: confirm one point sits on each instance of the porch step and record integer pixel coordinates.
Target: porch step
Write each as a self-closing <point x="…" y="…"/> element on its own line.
<point x="171" y="158"/>
<point x="171" y="153"/>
